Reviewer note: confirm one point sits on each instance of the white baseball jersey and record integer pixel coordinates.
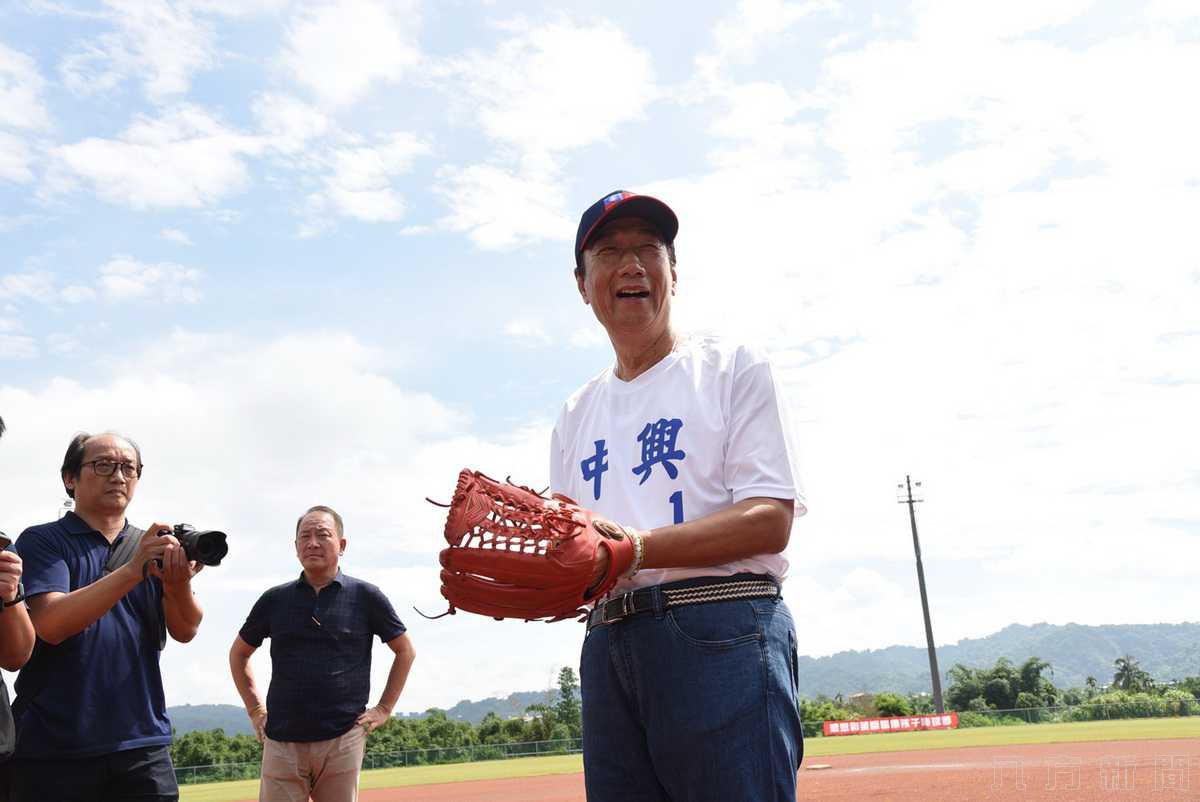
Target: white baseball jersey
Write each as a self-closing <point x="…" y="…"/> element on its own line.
<point x="702" y="429"/>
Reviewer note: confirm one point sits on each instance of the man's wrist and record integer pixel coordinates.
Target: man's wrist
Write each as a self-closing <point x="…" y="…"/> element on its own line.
<point x="18" y="596"/>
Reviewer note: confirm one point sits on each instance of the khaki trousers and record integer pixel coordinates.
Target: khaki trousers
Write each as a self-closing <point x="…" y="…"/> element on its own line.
<point x="326" y="771"/>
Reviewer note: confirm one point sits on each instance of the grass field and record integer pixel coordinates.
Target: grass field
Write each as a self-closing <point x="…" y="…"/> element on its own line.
<point x="1123" y="730"/>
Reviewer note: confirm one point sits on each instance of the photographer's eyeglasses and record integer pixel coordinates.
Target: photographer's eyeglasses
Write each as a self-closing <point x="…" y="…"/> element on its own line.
<point x="105" y="467"/>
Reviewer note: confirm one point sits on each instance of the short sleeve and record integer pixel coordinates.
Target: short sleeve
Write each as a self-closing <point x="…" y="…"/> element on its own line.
<point x="258" y="623"/>
<point x="760" y="458"/>
<point x="384" y="621"/>
<point x="44" y="567"/>
<point x="558" y="472"/>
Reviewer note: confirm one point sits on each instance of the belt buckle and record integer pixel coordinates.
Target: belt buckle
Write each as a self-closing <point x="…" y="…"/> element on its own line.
<point x="626" y="600"/>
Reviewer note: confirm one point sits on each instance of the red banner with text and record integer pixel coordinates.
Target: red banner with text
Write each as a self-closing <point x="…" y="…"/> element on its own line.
<point x="872" y="726"/>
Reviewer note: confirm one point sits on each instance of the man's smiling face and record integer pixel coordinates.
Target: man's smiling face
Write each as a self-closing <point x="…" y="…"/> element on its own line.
<point x="628" y="279"/>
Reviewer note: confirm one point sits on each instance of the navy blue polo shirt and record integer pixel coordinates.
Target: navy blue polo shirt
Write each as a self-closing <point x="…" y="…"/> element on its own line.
<point x="99" y="691"/>
<point x="320" y="653"/>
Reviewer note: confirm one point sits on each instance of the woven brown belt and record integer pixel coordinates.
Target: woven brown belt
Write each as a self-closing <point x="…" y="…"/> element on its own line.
<point x="643" y="600"/>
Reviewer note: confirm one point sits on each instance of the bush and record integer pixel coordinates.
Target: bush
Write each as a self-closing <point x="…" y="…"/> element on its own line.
<point x="891" y="704"/>
<point x="969" y="718"/>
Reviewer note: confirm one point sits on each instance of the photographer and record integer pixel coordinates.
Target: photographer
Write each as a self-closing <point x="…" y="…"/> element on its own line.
<point x="91" y="718"/>
<point x="16" y="631"/>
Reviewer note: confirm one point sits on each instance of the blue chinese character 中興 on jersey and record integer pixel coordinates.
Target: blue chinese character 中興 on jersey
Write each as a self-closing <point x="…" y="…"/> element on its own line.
<point x="658" y="446"/>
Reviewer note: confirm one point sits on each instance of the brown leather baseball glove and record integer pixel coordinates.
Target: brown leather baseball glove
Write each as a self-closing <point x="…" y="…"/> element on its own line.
<point x="515" y="553"/>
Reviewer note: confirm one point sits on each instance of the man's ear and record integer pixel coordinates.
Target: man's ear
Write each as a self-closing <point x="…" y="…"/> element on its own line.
<point x="579" y="275"/>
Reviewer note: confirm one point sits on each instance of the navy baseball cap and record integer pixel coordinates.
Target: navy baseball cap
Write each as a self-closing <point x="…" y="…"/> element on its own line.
<point x="624" y="204"/>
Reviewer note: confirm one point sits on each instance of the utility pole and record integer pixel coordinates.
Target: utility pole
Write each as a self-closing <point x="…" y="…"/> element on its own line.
<point x="904" y="495"/>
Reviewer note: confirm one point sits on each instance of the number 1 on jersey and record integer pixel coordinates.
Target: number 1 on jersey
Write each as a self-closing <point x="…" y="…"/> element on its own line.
<point x="677" y="505"/>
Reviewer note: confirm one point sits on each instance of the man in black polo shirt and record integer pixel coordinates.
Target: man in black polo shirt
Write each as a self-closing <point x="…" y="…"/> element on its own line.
<point x="91" y="717"/>
<point x="315" y="722"/>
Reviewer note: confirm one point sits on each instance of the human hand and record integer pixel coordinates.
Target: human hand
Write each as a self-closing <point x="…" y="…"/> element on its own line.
<point x="147" y="560"/>
<point x="374" y="718"/>
<point x="258" y="720"/>
<point x="176" y="569"/>
<point x="10" y="575"/>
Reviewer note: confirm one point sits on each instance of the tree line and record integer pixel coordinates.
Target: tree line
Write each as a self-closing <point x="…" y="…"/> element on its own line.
<point x="1005" y="693"/>
<point x="557" y="719"/>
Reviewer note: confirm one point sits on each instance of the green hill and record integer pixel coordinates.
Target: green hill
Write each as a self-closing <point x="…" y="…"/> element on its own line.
<point x="231" y="718"/>
<point x="1166" y="651"/>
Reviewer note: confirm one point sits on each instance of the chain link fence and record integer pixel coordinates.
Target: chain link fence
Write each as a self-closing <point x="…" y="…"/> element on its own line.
<point x="221" y="772"/>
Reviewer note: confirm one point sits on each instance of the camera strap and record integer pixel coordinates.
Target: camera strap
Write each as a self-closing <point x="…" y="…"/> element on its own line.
<point x="122" y="553"/>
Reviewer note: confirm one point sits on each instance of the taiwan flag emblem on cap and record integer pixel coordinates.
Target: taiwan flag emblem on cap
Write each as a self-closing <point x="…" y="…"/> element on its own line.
<point x="616" y="197"/>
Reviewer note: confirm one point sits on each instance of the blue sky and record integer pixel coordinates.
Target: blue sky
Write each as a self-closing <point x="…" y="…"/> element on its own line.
<point x="321" y="253"/>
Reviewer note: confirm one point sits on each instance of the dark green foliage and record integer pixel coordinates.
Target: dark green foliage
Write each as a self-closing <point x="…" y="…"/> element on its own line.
<point x="892" y="704"/>
<point x="813" y="713"/>
<point x="567" y="709"/>
<point x="1002" y="687"/>
<point x="1129" y="675"/>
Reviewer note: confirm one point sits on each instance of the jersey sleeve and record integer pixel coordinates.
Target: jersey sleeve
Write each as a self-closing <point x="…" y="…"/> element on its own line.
<point x="384" y="621"/>
<point x="44" y="567"/>
<point x="761" y="459"/>
<point x="258" y="624"/>
<point x="559" y="476"/>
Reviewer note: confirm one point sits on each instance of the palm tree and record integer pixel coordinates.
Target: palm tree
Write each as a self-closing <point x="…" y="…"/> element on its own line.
<point x="1129" y="675"/>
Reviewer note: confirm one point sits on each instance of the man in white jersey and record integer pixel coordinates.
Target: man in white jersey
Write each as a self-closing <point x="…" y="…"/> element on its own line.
<point x="688" y="669"/>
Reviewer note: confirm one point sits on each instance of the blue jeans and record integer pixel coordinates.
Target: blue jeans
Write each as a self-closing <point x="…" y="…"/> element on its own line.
<point x="693" y="703"/>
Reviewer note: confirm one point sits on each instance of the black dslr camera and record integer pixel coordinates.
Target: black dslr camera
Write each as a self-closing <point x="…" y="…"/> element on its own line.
<point x="206" y="547"/>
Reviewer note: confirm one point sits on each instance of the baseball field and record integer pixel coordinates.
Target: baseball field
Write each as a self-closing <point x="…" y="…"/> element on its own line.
<point x="1139" y="759"/>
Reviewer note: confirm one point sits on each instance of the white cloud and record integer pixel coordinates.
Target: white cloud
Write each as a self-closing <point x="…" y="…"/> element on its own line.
<point x="16" y="159"/>
<point x="501" y="209"/>
<point x="21" y="107"/>
<point x="526" y="97"/>
<point x="161" y="43"/>
<point x="288" y="123"/>
<point x="239" y="8"/>
<point x="62" y="344"/>
<point x="360" y="181"/>
<point x="528" y="91"/>
<point x="527" y="331"/>
<point x="739" y="37"/>
<point x="339" y="49"/>
<point x="124" y="279"/>
<point x="591" y="336"/>
<point x="77" y="294"/>
<point x="183" y="158"/>
<point x="17" y="346"/>
<point x="176" y="236"/>
<point x="21" y="86"/>
<point x="37" y="286"/>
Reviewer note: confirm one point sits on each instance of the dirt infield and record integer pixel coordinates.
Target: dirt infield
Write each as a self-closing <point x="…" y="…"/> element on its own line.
<point x="1128" y="771"/>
